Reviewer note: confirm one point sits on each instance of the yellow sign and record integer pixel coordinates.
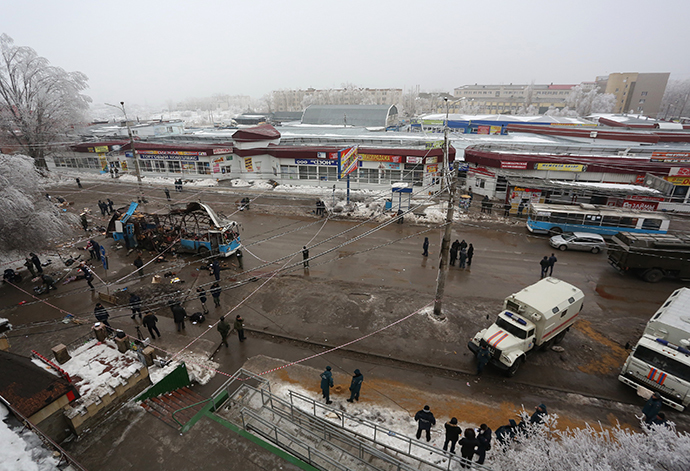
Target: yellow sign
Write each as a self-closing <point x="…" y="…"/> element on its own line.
<point x="248" y="164"/>
<point x="380" y="158"/>
<point x="678" y="181"/>
<point x="101" y="149"/>
<point x="562" y="167"/>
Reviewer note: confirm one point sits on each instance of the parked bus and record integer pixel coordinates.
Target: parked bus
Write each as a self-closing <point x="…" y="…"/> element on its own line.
<point x="606" y="220"/>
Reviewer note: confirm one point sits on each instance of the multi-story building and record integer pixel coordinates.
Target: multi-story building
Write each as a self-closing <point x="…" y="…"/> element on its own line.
<point x="298" y="100"/>
<point x="504" y="99"/>
<point x="635" y="92"/>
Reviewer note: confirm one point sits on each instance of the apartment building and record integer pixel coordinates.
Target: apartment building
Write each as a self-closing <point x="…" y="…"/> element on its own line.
<point x="639" y="93"/>
<point x="298" y="100"/>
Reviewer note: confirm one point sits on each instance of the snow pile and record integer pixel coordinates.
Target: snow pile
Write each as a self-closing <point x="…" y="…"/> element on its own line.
<point x="199" y="367"/>
<point x="22" y="450"/>
<point x="163" y="181"/>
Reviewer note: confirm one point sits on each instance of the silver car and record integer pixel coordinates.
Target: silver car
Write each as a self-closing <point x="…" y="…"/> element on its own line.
<point x="585" y="241"/>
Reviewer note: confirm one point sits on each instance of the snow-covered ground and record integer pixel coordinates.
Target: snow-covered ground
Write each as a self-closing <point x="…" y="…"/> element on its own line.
<point x="22" y="450"/>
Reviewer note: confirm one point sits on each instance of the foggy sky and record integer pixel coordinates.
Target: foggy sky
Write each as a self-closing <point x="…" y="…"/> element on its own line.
<point x="148" y="52"/>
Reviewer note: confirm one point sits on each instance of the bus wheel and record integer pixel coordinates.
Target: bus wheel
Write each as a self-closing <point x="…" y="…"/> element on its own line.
<point x="555" y="231"/>
<point x="653" y="275"/>
<point x="559" y="338"/>
<point x="510" y="372"/>
<point x="204" y="252"/>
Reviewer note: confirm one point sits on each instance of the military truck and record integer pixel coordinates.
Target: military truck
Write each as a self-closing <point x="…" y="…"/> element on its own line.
<point x="652" y="257"/>
<point x="535" y="317"/>
<point x="661" y="359"/>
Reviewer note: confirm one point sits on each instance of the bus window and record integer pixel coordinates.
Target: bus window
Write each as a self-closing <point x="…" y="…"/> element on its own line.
<point x="628" y="222"/>
<point x="558" y="218"/>
<point x="611" y="221"/>
<point x="592" y="220"/>
<point x="651" y="224"/>
<point x="575" y="218"/>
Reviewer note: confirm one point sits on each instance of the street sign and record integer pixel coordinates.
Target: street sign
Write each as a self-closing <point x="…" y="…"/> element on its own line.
<point x="104" y="259"/>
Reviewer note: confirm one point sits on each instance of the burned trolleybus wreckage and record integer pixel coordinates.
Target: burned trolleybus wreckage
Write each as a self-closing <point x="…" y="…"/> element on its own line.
<point x="195" y="228"/>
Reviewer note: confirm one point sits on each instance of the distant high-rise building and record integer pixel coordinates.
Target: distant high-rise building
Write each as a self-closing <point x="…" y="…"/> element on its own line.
<point x="298" y="100"/>
<point x="635" y="92"/>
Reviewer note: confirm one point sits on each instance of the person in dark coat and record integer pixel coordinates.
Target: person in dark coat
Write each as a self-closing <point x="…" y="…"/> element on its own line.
<point x="88" y="275"/>
<point x="400" y="216"/>
<point x="110" y="206"/>
<point x="202" y="298"/>
<point x="224" y="329"/>
<point x="355" y="386"/>
<point x="139" y="264"/>
<point x="463" y="257"/>
<point x="135" y="305"/>
<point x="101" y="207"/>
<point x="327" y="384"/>
<point x="79" y="182"/>
<point x="239" y="327"/>
<point x="179" y="315"/>
<point x="36" y="262"/>
<point x="463" y="244"/>
<point x="49" y="282"/>
<point x="29" y="264"/>
<point x="470" y="254"/>
<point x="455" y="246"/>
<point x="149" y="321"/>
<point x="215" y="293"/>
<point x="215" y="269"/>
<point x="167" y="193"/>
<point x="651" y="408"/>
<point x="305" y="256"/>
<point x="539" y="415"/>
<point x="453" y="432"/>
<point x="84" y="222"/>
<point x="425" y="247"/>
<point x="484" y="438"/>
<point x="92" y="251"/>
<point x="483" y="358"/>
<point x="425" y="420"/>
<point x="96" y="249"/>
<point x="101" y="314"/>
<point x="552" y="262"/>
<point x="660" y="419"/>
<point x="544" y="266"/>
<point x="468" y="443"/>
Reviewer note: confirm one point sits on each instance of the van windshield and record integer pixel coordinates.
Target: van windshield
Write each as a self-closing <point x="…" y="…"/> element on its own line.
<point x="666" y="364"/>
<point x="511" y="328"/>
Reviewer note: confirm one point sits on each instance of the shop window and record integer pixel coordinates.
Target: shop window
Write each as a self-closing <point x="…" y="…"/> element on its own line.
<point x="159" y="166"/>
<point x="174" y="167"/>
<point x="203" y="168"/>
<point x="308" y="172"/>
<point x="329" y="174"/>
<point x="501" y="184"/>
<point x="289" y="172"/>
<point x="146" y="165"/>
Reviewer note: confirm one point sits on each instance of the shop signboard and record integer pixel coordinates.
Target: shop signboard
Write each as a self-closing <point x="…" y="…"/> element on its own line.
<point x="561" y="167"/>
<point x="347" y="161"/>
<point x="679" y="172"/>
<point x="661" y="156"/>
<point x="319" y="162"/>
<point x="248" y="164"/>
<point x="380" y="158"/>
<point x="514" y="165"/>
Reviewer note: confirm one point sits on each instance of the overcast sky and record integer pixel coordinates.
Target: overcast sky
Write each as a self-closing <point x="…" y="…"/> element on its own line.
<point x="148" y="51"/>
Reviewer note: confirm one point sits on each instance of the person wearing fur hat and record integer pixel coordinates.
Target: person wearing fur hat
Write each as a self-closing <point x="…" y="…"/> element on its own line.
<point x="355" y="386"/>
<point x="327" y="384"/>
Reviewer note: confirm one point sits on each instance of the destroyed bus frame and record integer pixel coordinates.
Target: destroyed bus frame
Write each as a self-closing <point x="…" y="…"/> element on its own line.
<point x="196" y="228"/>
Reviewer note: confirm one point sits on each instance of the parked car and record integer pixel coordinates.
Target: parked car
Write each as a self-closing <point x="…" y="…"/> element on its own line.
<point x="585" y="241"/>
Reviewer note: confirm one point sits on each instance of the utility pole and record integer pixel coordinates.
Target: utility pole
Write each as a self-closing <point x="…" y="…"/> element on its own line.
<point x="445" y="244"/>
<point x="134" y="151"/>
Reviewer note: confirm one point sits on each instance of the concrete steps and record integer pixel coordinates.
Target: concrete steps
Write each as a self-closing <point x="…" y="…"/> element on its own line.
<point x="165" y="405"/>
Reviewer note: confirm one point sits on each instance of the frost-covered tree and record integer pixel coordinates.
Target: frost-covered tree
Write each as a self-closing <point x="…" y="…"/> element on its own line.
<point x="38" y="102"/>
<point x="29" y="220"/>
<point x="676" y="101"/>
<point x="543" y="448"/>
<point x="585" y="102"/>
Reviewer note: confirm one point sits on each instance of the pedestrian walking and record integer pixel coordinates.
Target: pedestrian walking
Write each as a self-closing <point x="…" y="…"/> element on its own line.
<point x="651" y="408"/>
<point x="103" y="207"/>
<point x="215" y="294"/>
<point x="49" y="282"/>
<point x="101" y="314"/>
<point x="84" y="222"/>
<point x="484" y="439"/>
<point x="202" y="298"/>
<point x="506" y="209"/>
<point x="139" y="264"/>
<point x="463" y="257"/>
<point x="356" y="386"/>
<point x="179" y="315"/>
<point x="92" y="251"/>
<point x="135" y="305"/>
<point x="239" y="327"/>
<point x="215" y="269"/>
<point x="468" y="445"/>
<point x="88" y="275"/>
<point x="425" y="420"/>
<point x="470" y="254"/>
<point x="37" y="263"/>
<point x="453" y="432"/>
<point x="544" y="266"/>
<point x="400" y="216"/>
<point x="552" y="262"/>
<point x="425" y="247"/>
<point x="149" y="321"/>
<point x="179" y="184"/>
<point x="224" y="329"/>
<point x="239" y="256"/>
<point x="521" y="208"/>
<point x="305" y="256"/>
<point x="483" y="358"/>
<point x="29" y="264"/>
<point x="79" y="182"/>
<point x="454" y="247"/>
<point x="327" y="384"/>
<point x="167" y="193"/>
<point x="110" y="206"/>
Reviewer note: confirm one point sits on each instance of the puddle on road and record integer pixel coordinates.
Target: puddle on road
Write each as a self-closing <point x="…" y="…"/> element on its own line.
<point x="601" y="291"/>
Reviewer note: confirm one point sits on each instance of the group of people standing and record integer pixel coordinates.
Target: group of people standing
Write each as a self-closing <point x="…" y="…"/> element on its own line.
<point x="327" y="384"/>
<point x="462" y="252"/>
<point x="547" y="264"/>
<point x="178" y="185"/>
<point x="320" y="208"/>
<point x="106" y="206"/>
<point x="224" y="329"/>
